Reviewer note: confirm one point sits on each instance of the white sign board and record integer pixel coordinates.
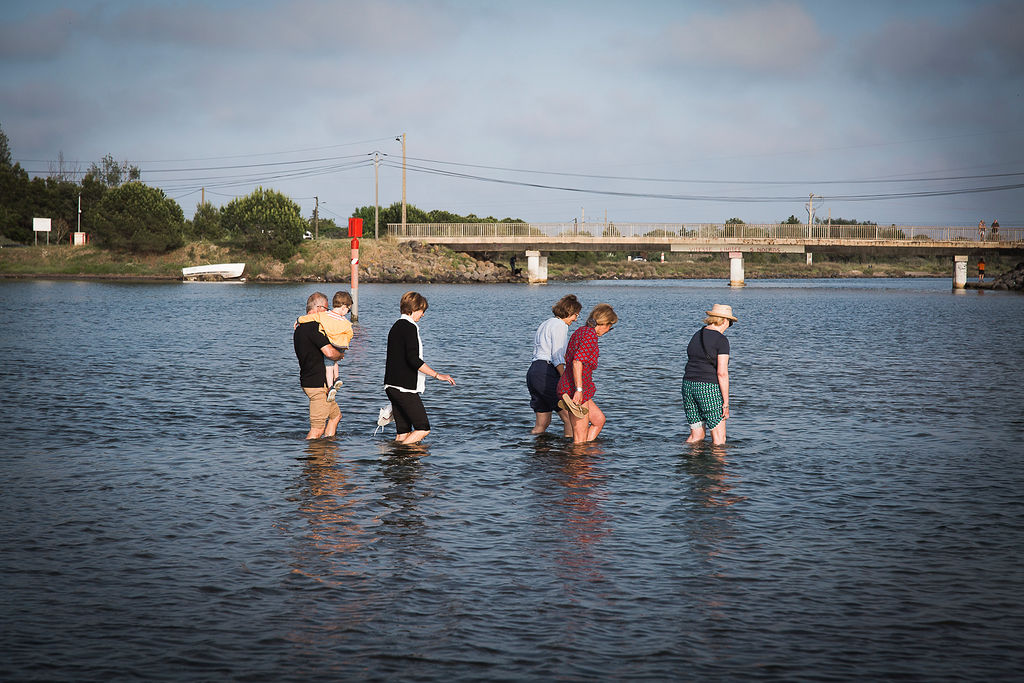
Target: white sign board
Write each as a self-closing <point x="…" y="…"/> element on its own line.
<point x="41" y="224"/>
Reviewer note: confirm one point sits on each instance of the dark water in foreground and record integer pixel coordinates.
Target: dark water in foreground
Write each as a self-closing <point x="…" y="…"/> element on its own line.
<point x="163" y="518"/>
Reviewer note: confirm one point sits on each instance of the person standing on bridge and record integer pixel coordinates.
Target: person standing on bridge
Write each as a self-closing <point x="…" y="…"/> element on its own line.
<point x="981" y="231"/>
<point x="994" y="232"/>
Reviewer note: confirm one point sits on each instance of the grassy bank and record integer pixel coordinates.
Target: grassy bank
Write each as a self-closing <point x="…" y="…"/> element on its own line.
<point x="387" y="261"/>
<point x="323" y="260"/>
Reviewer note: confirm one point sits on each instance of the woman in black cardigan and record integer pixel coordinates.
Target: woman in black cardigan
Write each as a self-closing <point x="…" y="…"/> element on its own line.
<point x="405" y="371"/>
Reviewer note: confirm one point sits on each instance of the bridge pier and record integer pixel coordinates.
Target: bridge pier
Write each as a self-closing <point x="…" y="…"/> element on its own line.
<point x="536" y="268"/>
<point x="959" y="271"/>
<point x="736" y="269"/>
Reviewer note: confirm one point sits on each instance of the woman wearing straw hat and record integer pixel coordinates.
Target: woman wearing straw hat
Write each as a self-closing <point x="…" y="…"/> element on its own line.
<point x="576" y="387"/>
<point x="706" y="378"/>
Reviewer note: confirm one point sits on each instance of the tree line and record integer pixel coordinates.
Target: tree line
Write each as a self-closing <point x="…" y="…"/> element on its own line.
<point x="121" y="213"/>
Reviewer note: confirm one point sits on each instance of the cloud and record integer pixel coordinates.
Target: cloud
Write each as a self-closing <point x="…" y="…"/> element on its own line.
<point x="307" y="26"/>
<point x="773" y="38"/>
<point x="987" y="42"/>
<point x="40" y="37"/>
<point x="44" y="117"/>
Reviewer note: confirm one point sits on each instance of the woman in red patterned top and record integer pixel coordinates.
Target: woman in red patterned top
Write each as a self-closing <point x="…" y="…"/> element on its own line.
<point x="580" y="361"/>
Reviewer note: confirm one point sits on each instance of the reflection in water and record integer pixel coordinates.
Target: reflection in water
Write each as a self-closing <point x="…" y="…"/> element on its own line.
<point x="576" y="497"/>
<point x="401" y="466"/>
<point x="711" y="480"/>
<point x="335" y="550"/>
<point x="327" y="501"/>
<point x="712" y="516"/>
<point x="328" y="553"/>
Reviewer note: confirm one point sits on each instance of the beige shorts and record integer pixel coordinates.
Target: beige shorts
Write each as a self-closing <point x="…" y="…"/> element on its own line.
<point x="320" y="409"/>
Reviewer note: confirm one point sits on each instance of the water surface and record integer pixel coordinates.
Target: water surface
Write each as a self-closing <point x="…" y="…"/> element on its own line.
<point x="163" y="517"/>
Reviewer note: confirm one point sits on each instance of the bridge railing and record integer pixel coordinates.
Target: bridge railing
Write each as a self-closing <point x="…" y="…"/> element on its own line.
<point x="704" y="231"/>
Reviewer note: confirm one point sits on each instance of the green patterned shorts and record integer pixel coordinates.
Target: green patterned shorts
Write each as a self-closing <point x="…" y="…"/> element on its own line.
<point x="702" y="402"/>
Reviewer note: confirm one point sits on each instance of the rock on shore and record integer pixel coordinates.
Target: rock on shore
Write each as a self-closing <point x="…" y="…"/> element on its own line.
<point x="388" y="261"/>
<point x="1013" y="280"/>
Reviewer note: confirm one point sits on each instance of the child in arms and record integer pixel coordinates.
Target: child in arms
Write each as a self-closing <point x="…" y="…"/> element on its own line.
<point x="339" y="332"/>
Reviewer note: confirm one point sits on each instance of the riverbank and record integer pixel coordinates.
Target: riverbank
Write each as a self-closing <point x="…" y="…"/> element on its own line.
<point x="1012" y="280"/>
<point x="388" y="261"/>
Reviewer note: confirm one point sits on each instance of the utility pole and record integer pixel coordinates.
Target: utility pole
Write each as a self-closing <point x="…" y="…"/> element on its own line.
<point x="810" y="214"/>
<point x="316" y="219"/>
<point x="402" y="138"/>
<point x="376" y="196"/>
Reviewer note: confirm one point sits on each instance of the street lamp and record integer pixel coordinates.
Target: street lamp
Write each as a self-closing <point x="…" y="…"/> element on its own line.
<point x="401" y="138"/>
<point x="376" y="195"/>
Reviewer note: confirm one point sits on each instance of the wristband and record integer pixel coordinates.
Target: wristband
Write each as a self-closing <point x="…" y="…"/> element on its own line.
<point x="579" y="389"/>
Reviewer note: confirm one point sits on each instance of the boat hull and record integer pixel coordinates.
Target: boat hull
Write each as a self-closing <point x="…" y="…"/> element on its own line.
<point x="216" y="271"/>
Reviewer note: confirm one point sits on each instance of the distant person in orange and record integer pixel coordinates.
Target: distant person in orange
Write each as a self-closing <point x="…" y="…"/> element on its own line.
<point x="981" y="270"/>
<point x="981" y="231"/>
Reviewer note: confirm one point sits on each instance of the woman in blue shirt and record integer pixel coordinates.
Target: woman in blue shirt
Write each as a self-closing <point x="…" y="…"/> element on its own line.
<point x="549" y="363"/>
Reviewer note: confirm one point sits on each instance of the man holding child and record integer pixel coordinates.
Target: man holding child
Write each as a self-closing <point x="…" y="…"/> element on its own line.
<point x="312" y="347"/>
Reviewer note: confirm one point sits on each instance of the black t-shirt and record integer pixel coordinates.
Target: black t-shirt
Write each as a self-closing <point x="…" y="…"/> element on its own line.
<point x="698" y="367"/>
<point x="308" y="339"/>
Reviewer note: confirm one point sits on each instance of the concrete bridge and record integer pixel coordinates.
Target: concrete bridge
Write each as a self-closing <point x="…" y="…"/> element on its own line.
<point x="535" y="240"/>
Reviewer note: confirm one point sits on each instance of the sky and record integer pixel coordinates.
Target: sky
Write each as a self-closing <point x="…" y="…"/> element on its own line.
<point x="905" y="112"/>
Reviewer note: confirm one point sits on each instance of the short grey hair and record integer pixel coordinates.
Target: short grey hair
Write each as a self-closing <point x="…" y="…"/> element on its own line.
<point x="315" y="299"/>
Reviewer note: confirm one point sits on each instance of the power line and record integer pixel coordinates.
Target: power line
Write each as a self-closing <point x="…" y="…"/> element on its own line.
<point x="722" y="182"/>
<point x="712" y="198"/>
<point x="238" y="156"/>
<point x="265" y="172"/>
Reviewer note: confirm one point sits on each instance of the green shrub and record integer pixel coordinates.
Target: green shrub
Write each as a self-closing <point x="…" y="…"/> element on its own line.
<point x="137" y="218"/>
<point x="265" y="221"/>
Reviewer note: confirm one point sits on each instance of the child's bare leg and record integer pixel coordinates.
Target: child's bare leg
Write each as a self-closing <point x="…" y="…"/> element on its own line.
<point x="332" y="381"/>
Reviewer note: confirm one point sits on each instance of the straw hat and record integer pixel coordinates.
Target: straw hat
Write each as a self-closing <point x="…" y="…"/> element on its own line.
<point x="722" y="311"/>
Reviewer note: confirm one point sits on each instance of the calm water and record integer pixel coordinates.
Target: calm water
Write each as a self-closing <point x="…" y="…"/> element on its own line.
<point x="163" y="518"/>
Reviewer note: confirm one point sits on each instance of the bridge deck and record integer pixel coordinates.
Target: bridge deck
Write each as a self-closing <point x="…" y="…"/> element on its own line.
<point x="784" y="238"/>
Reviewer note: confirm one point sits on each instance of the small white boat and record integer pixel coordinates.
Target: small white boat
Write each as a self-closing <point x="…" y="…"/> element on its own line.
<point x="216" y="271"/>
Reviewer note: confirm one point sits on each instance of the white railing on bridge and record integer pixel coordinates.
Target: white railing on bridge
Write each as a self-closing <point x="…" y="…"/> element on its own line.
<point x="703" y="231"/>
